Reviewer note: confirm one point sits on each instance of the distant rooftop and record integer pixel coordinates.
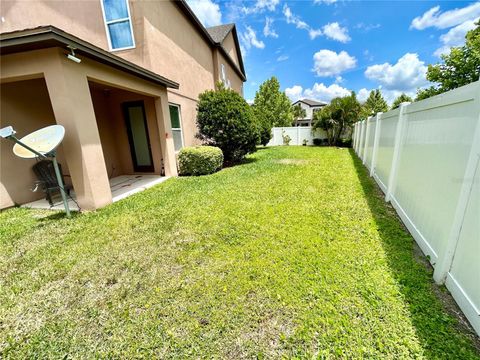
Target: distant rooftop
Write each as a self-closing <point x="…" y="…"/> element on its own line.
<point x="310" y="102"/>
<point x="220" y="32"/>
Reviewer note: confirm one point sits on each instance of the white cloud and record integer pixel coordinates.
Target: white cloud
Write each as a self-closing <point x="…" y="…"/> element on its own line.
<point x="294" y="19"/>
<point x="442" y="20"/>
<point x="408" y="73"/>
<point x="313" y="33"/>
<point x="455" y="37"/>
<point x="329" y="63"/>
<point x="336" y="32"/>
<point x="332" y="30"/>
<point x="362" y="95"/>
<point x="207" y="12"/>
<point x="267" y="30"/>
<point x="261" y="6"/>
<point x="249" y="39"/>
<point x="299" y="23"/>
<point x="367" y="27"/>
<point x="282" y="58"/>
<point x="319" y="92"/>
<point x="294" y="93"/>
<point x="338" y="79"/>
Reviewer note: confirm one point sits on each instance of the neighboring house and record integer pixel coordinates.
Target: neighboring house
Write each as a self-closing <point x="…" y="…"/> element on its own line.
<point x="310" y="106"/>
<point x="130" y="103"/>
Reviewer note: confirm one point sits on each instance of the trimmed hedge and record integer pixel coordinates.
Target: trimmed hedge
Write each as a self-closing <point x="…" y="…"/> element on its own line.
<point x="200" y="160"/>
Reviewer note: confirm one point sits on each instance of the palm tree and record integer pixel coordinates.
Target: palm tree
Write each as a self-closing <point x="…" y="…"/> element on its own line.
<point x="298" y="113"/>
<point x="339" y="115"/>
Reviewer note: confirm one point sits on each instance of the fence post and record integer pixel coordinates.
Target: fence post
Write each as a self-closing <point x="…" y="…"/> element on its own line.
<point x="362" y="138"/>
<point x="354" y="135"/>
<point x="445" y="259"/>
<point x="399" y="133"/>
<point x="357" y="127"/>
<point x="355" y="132"/>
<point x="365" y="145"/>
<point x="375" y="143"/>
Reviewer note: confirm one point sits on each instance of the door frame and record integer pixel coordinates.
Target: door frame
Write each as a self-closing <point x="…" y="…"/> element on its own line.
<point x="136" y="167"/>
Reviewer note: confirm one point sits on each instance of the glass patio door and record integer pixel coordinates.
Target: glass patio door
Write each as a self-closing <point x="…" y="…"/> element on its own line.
<point x="138" y="138"/>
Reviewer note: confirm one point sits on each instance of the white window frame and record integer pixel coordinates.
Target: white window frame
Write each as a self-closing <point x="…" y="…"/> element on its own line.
<point x="181" y="123"/>
<point x="106" y="23"/>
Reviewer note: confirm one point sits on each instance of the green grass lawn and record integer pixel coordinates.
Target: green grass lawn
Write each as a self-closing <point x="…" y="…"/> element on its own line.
<point x="292" y="254"/>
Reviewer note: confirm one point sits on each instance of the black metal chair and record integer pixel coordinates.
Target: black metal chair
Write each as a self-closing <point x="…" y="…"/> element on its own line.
<point x="47" y="179"/>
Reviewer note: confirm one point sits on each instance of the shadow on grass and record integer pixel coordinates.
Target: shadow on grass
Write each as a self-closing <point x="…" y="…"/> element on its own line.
<point x="59" y="215"/>
<point x="432" y="309"/>
<point x="245" y="161"/>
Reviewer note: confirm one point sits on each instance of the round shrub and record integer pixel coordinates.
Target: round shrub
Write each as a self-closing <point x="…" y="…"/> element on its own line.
<point x="225" y="120"/>
<point x="200" y="160"/>
<point x="317" y="141"/>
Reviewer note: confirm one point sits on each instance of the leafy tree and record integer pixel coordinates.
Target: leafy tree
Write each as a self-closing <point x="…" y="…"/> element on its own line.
<point x="338" y="116"/>
<point x="298" y="112"/>
<point x="271" y="108"/>
<point x="401" y="99"/>
<point x="224" y="119"/>
<point x="460" y="67"/>
<point x="375" y="103"/>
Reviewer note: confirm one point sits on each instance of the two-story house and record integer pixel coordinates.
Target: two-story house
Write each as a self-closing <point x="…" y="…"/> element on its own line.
<point x="122" y="77"/>
<point x="310" y="106"/>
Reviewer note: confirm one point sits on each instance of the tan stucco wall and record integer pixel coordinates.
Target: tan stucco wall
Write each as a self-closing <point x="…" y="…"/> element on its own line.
<point x="68" y="89"/>
<point x="81" y="18"/>
<point x="25" y="105"/>
<point x="188" y="111"/>
<point x="229" y="46"/>
<point x="166" y="43"/>
<point x="235" y="82"/>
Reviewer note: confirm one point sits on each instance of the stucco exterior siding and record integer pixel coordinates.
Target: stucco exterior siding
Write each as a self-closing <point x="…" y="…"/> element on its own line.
<point x="171" y="49"/>
<point x="70" y="101"/>
<point x="166" y="42"/>
<point x="81" y="18"/>
<point x="229" y="46"/>
<point x="235" y="82"/>
<point x="188" y="113"/>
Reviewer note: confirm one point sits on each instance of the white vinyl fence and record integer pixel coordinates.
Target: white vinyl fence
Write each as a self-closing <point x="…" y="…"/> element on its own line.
<point x="297" y="135"/>
<point x="425" y="157"/>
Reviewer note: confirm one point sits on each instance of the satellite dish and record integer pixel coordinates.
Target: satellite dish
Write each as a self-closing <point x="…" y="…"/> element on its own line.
<point x="44" y="141"/>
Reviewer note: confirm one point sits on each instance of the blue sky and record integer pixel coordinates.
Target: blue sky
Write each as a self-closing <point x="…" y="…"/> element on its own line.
<point x="325" y="48"/>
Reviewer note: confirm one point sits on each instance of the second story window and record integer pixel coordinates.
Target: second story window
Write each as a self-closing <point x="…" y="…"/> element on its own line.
<point x="118" y="23"/>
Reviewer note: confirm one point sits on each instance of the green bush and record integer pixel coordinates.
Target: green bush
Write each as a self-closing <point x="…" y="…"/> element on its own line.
<point x="225" y="120"/>
<point x="200" y="160"/>
<point x="344" y="143"/>
<point x="317" y="141"/>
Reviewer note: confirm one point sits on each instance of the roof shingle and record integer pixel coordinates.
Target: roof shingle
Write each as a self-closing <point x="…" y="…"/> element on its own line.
<point x="220" y="32"/>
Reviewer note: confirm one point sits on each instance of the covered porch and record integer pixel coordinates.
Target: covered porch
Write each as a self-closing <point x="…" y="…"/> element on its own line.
<point x="118" y="137"/>
<point x="121" y="187"/>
